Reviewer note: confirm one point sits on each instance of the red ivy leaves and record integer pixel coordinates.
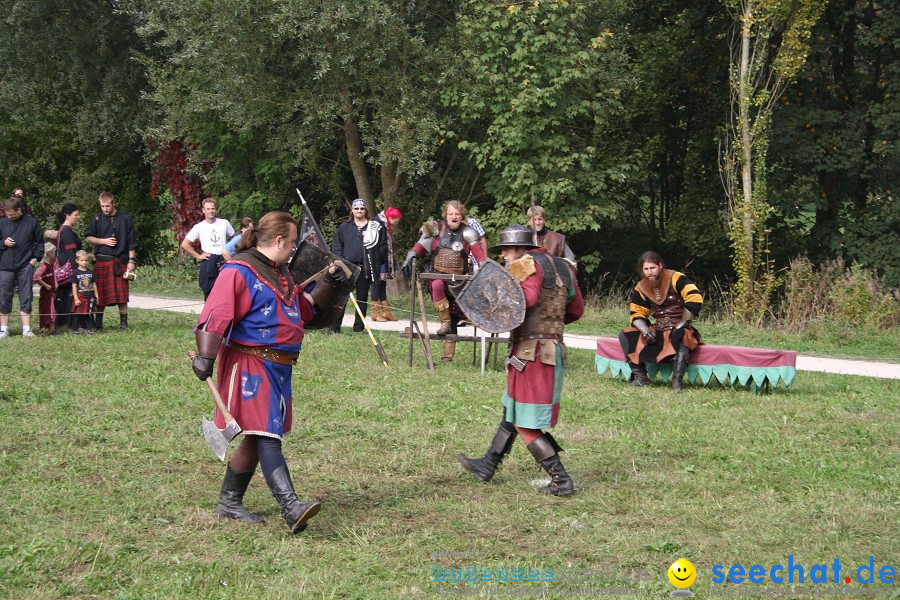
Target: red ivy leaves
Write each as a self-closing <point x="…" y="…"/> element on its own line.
<point x="186" y="188"/>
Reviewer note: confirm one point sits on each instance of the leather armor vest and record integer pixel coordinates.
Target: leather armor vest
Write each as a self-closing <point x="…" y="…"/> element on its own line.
<point x="450" y="256"/>
<point x="668" y="305"/>
<point x="547" y="319"/>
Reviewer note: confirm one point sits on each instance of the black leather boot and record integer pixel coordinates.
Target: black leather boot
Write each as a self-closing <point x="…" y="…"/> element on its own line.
<point x="98" y="321"/>
<point x="295" y="513"/>
<point x="640" y="375"/>
<point x="231" y="498"/>
<point x="123" y="321"/>
<point x="679" y="365"/>
<point x="484" y="468"/>
<point x="545" y="450"/>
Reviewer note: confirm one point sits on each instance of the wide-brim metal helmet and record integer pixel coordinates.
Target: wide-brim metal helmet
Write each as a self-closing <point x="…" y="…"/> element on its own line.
<point x="516" y="235"/>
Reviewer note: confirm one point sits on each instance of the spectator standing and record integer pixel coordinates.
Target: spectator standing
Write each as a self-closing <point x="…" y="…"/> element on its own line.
<point x="21" y="247"/>
<point x="46" y="280"/>
<point x="67" y="245"/>
<point x="381" y="310"/>
<point x="112" y="232"/>
<point x="212" y="233"/>
<point x="357" y="240"/>
<point x="83" y="291"/>
<point x="231" y="247"/>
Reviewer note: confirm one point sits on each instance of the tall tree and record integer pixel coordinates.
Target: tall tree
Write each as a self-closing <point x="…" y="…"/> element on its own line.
<point x="769" y="44"/>
<point x="544" y="82"/>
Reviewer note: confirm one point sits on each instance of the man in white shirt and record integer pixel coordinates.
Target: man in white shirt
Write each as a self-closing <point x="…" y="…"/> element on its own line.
<point x="213" y="233"/>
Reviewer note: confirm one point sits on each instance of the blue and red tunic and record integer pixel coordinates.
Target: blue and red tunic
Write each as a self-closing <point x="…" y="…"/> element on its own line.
<point x="244" y="307"/>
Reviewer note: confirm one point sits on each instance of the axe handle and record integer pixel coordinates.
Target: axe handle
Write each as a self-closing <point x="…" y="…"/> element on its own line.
<point x="314" y="277"/>
<point x="220" y="404"/>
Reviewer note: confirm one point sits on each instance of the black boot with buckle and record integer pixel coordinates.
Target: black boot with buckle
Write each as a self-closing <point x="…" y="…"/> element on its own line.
<point x="484" y="468"/>
<point x="545" y="450"/>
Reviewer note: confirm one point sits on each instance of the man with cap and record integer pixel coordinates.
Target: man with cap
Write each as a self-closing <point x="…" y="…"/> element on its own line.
<point x="536" y="359"/>
<point x="358" y="240"/>
<point x="449" y="243"/>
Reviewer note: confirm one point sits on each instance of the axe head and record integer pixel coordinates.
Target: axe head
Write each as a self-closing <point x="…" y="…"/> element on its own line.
<point x="218" y="439"/>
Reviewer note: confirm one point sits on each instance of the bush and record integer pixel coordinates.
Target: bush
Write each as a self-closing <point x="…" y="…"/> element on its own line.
<point x="851" y="296"/>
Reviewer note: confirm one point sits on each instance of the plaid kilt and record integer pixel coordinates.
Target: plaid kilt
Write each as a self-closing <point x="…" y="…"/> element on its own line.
<point x="84" y="308"/>
<point x="110" y="288"/>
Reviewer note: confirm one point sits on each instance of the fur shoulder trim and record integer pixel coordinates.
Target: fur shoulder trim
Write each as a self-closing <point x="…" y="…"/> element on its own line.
<point x="430" y="229"/>
<point x="522" y="268"/>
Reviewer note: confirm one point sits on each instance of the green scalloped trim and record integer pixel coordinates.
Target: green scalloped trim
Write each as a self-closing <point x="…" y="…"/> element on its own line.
<point x="754" y="377"/>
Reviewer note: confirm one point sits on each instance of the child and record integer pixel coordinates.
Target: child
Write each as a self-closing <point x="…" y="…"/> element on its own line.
<point x="83" y="291"/>
<point x="45" y="278"/>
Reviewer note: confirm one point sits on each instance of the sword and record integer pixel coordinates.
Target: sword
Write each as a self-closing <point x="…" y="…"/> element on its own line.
<point x="218" y="439"/>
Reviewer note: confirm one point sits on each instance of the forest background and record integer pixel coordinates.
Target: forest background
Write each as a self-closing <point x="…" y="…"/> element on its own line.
<point x="614" y="114"/>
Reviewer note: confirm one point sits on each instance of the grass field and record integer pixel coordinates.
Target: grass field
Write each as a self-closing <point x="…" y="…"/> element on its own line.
<point x="108" y="488"/>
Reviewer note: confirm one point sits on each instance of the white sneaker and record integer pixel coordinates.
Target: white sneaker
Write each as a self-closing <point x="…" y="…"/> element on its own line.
<point x="28" y="333"/>
<point x="4" y="334"/>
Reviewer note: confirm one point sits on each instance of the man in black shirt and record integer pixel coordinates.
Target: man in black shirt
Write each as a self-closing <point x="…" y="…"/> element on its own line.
<point x="21" y="247"/>
<point x="112" y="232"/>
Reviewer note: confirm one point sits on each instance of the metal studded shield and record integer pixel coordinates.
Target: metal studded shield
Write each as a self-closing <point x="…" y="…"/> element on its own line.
<point x="493" y="300"/>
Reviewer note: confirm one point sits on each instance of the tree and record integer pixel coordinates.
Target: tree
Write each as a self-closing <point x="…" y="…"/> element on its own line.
<point x="544" y="82"/>
<point x="769" y="44"/>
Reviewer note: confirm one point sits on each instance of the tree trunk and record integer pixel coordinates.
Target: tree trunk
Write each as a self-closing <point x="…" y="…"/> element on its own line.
<point x="354" y="156"/>
<point x="391" y="181"/>
<point x="746" y="144"/>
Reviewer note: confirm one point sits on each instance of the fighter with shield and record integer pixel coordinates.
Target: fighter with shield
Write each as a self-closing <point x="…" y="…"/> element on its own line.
<point x="536" y="358"/>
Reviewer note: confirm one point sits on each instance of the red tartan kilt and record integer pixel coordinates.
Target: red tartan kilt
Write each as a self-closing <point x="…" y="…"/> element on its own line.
<point x="110" y="288"/>
<point x="83" y="308"/>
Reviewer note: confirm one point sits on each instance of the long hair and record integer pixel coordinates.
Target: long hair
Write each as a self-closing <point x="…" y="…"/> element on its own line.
<point x="246" y="222"/>
<point x="270" y="227"/>
<point x="649" y="257"/>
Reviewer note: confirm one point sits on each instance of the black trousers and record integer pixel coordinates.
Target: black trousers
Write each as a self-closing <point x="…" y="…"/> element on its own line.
<point x="362" y="297"/>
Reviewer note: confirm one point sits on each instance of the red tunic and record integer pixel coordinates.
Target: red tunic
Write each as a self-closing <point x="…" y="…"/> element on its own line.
<point x="533" y="395"/>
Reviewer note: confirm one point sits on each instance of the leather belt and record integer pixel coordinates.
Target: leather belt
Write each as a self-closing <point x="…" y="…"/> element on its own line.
<point x="541" y="336"/>
<point x="266" y="353"/>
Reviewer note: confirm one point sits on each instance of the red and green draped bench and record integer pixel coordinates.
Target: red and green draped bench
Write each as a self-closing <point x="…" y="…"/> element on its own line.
<point x="730" y="365"/>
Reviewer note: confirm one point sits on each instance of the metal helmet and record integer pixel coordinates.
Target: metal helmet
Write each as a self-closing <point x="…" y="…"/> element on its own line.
<point x="516" y="235"/>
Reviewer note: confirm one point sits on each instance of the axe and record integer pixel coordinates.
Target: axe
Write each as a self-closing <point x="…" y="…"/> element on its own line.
<point x="218" y="439"/>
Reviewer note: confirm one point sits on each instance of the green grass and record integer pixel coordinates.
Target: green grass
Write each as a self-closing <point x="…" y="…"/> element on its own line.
<point x="107" y="488"/>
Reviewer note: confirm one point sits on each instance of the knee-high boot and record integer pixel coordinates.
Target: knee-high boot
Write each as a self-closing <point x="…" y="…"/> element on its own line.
<point x="484" y="468"/>
<point x="545" y="450"/>
<point x="231" y="498"/>
<point x="679" y="365"/>
<point x="448" y="351"/>
<point x="295" y="513"/>
<point x="443" y="309"/>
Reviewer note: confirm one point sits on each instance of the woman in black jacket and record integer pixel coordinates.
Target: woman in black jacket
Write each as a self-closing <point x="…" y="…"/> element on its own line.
<point x="67" y="244"/>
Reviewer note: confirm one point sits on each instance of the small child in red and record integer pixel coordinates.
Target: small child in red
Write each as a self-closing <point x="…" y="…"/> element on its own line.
<point x="45" y="278"/>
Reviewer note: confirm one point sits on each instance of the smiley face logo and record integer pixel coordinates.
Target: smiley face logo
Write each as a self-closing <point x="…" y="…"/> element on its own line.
<point x="682" y="573"/>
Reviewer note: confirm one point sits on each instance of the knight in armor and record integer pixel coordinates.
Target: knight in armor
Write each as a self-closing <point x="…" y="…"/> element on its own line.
<point x="673" y="301"/>
<point x="551" y="241"/>
<point x="448" y="242"/>
<point x="536" y="358"/>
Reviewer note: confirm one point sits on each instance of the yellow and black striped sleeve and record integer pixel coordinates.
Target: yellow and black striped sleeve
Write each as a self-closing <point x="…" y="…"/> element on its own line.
<point x="639" y="306"/>
<point x="693" y="300"/>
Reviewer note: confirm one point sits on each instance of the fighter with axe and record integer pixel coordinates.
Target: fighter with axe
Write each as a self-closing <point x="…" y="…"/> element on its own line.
<point x="253" y="324"/>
